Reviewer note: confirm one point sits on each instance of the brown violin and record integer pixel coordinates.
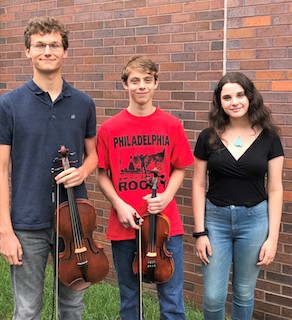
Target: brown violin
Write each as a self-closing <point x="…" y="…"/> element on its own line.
<point x="82" y="262"/>
<point x="157" y="263"/>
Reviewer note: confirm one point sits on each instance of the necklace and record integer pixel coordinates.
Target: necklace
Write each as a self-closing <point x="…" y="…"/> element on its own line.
<point x="238" y="142"/>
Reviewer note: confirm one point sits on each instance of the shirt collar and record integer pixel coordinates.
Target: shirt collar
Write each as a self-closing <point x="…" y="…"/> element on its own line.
<point x="66" y="90"/>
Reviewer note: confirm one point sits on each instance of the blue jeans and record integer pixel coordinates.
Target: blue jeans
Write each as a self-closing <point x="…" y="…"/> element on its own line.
<point x="28" y="280"/>
<point x="236" y="234"/>
<point x="170" y="294"/>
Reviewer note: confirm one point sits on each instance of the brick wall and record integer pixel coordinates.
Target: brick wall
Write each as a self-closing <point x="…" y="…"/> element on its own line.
<point x="186" y="38"/>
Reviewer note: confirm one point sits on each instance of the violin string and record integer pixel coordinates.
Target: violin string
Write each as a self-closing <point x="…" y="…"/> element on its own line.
<point x="75" y="228"/>
<point x="153" y="218"/>
<point x="80" y="236"/>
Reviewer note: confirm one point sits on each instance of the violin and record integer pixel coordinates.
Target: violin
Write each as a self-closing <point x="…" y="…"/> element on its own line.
<point x="157" y="262"/>
<point x="82" y="262"/>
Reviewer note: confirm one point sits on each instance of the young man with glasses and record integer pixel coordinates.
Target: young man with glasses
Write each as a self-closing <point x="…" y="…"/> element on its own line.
<point x="35" y="120"/>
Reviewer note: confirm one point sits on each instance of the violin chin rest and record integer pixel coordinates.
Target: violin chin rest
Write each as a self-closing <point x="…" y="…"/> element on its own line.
<point x="79" y="284"/>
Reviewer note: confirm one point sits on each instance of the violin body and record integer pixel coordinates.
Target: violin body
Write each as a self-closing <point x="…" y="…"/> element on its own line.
<point x="80" y="267"/>
<point x="157" y="262"/>
<point x="85" y="263"/>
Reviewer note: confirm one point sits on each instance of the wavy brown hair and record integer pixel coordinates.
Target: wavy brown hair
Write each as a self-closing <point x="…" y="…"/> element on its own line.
<point x="44" y="25"/>
<point x="259" y="114"/>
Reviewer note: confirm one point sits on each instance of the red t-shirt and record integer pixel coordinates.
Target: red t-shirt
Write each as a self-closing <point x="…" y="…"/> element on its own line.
<point x="130" y="147"/>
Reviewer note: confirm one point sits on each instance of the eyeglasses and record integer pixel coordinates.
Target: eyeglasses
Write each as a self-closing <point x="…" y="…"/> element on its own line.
<point x="40" y="46"/>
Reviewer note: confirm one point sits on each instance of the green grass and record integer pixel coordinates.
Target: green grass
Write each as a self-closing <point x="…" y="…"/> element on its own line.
<point x="101" y="300"/>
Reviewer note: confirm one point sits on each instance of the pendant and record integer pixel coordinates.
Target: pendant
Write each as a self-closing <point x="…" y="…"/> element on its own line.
<point x="238" y="142"/>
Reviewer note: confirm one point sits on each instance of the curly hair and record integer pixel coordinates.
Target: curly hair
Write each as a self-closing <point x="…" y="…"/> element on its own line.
<point x="259" y="114"/>
<point x="141" y="63"/>
<point x="43" y="25"/>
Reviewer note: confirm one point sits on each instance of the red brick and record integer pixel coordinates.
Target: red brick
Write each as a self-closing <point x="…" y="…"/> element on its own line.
<point x="241" y="33"/>
<point x="282" y="85"/>
<point x="171" y="8"/>
<point x="257" y="21"/>
<point x="197" y="6"/>
<point x="149" y="11"/>
<point x="241" y="55"/>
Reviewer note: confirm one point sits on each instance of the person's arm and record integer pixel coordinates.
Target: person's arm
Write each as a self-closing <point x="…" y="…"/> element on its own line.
<point x="75" y="176"/>
<point x="10" y="246"/>
<point x="126" y="213"/>
<point x="203" y="246"/>
<point x="275" y="199"/>
<point x="161" y="201"/>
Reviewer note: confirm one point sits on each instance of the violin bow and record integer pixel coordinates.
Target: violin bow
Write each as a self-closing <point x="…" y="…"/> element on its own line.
<point x="57" y="256"/>
<point x="139" y="249"/>
<point x="56" y="202"/>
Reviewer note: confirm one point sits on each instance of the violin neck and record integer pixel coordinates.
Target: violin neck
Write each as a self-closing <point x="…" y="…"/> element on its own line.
<point x="71" y="195"/>
<point x="152" y="226"/>
<point x="72" y="200"/>
<point x="152" y="232"/>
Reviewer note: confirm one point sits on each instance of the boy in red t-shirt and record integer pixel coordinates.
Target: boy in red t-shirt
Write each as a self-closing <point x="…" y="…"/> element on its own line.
<point x="131" y="146"/>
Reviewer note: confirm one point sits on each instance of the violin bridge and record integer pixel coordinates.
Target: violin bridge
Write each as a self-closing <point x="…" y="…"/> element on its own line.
<point x="151" y="254"/>
<point x="80" y="250"/>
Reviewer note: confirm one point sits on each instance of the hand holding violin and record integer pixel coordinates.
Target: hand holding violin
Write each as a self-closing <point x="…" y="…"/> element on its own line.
<point x="157" y="204"/>
<point x="71" y="177"/>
